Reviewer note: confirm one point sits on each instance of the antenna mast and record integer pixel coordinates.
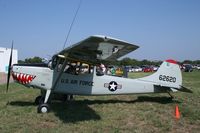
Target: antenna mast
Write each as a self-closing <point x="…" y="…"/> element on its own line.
<point x="72" y="23"/>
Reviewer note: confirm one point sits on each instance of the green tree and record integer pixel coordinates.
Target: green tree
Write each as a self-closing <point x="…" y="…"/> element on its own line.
<point x="126" y="62"/>
<point x="20" y="61"/>
<point x="187" y="62"/>
<point x="196" y="62"/>
<point x="33" y="60"/>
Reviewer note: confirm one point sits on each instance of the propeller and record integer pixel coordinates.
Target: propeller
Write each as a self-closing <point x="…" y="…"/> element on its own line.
<point x="9" y="68"/>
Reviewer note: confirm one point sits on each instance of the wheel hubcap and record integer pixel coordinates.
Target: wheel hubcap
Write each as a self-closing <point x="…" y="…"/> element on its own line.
<point x="44" y="109"/>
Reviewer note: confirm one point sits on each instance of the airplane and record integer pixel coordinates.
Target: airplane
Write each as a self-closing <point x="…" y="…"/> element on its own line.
<point x="63" y="76"/>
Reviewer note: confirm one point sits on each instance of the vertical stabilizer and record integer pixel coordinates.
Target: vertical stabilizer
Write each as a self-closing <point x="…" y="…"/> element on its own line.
<point x="168" y="75"/>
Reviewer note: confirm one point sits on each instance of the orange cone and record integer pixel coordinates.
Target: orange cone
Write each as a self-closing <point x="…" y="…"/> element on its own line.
<point x="177" y="113"/>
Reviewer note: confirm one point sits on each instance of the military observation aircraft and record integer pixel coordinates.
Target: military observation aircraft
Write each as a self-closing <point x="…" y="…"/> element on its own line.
<point x="63" y="74"/>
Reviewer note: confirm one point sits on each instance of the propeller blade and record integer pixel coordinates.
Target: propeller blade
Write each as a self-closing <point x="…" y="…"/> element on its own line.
<point x="9" y="68"/>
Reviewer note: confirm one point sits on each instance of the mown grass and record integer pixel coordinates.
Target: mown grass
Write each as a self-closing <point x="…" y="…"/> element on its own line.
<point x="123" y="113"/>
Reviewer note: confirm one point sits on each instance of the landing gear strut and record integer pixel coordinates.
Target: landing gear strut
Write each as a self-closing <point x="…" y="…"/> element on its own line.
<point x="68" y="98"/>
<point x="171" y="96"/>
<point x="42" y="100"/>
<point x="44" y="107"/>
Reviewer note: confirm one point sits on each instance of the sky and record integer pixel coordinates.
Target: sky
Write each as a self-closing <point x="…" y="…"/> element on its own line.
<point x="164" y="29"/>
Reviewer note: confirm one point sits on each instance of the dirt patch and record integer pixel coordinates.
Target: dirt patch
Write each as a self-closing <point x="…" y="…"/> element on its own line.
<point x="3" y="78"/>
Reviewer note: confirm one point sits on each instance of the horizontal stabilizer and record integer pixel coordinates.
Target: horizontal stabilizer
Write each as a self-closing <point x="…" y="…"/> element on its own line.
<point x="184" y="89"/>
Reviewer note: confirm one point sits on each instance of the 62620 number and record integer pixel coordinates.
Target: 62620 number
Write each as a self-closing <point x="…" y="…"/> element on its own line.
<point x="167" y="78"/>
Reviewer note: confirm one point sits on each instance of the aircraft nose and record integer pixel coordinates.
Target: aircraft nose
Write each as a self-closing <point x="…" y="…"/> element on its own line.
<point x="14" y="71"/>
<point x="21" y="77"/>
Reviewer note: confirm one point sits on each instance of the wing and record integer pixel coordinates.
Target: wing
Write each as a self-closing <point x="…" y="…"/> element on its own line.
<point x="97" y="48"/>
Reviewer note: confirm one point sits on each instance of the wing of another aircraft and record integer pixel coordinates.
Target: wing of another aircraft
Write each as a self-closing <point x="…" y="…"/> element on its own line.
<point x="97" y="48"/>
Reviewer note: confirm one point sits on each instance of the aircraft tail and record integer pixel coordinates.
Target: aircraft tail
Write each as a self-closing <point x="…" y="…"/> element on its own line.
<point x="168" y="75"/>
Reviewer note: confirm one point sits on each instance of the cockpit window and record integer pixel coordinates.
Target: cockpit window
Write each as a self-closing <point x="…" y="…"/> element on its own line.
<point x="72" y="67"/>
<point x="78" y="68"/>
<point x="53" y="62"/>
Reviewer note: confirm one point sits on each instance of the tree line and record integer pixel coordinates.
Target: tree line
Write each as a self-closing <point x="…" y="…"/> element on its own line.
<point x="35" y="59"/>
<point x="123" y="62"/>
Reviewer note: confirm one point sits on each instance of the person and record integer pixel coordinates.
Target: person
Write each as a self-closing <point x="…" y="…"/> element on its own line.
<point x="71" y="69"/>
<point x="125" y="72"/>
<point x="103" y="68"/>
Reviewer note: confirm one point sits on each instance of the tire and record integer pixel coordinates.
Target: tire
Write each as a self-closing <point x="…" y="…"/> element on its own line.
<point x="43" y="108"/>
<point x="71" y="97"/>
<point x="39" y="100"/>
<point x="68" y="98"/>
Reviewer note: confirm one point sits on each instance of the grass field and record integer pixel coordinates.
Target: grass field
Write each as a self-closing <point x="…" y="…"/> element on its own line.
<point x="125" y="113"/>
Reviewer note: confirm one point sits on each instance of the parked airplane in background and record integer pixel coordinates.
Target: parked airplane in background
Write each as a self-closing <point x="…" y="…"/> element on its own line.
<point x="63" y="74"/>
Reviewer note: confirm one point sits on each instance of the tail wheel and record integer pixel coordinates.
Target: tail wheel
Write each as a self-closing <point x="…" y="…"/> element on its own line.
<point x="43" y="108"/>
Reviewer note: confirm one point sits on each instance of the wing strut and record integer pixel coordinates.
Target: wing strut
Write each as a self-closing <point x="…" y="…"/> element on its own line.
<point x="72" y="24"/>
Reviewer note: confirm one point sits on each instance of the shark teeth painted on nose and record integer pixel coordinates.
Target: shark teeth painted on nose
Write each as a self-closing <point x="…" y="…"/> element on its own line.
<point x="23" y="78"/>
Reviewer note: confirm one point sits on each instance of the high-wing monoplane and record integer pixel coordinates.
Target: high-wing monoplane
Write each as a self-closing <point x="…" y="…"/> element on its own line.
<point x="64" y="74"/>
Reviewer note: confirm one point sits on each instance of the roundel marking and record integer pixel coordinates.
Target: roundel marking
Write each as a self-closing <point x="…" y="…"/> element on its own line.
<point x="112" y="86"/>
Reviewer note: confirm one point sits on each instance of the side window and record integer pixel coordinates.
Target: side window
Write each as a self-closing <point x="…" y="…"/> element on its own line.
<point x="54" y="62"/>
<point x="71" y="68"/>
<point x="60" y="64"/>
<point x="77" y="68"/>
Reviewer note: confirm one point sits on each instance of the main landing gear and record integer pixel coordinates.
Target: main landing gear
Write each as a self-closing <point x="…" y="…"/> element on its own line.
<point x="43" y="106"/>
<point x="41" y="101"/>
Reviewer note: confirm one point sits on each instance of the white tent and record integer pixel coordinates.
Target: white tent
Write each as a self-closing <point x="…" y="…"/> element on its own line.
<point x="5" y="57"/>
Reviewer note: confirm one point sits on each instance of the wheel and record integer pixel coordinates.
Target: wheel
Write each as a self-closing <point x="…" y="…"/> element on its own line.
<point x="71" y="97"/>
<point x="39" y="100"/>
<point x="68" y="98"/>
<point x="43" y="108"/>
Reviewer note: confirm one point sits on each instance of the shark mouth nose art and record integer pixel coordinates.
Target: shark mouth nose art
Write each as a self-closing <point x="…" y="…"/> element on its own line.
<point x="23" y="78"/>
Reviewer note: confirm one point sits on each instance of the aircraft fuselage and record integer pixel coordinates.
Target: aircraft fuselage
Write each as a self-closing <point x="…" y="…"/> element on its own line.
<point x="81" y="84"/>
